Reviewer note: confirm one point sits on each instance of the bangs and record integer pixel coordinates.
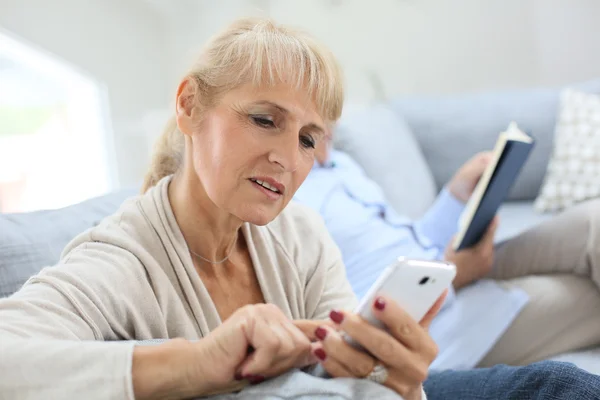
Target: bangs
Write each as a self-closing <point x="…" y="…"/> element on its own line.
<point x="266" y="55"/>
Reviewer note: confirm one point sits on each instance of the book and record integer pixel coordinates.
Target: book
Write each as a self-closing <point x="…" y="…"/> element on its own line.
<point x="508" y="157"/>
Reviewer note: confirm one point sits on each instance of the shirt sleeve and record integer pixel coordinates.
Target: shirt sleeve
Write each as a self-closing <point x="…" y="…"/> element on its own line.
<point x="440" y="222"/>
<point x="54" y="329"/>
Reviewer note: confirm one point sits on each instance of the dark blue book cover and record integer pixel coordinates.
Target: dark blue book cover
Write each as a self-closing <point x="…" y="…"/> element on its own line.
<point x="511" y="161"/>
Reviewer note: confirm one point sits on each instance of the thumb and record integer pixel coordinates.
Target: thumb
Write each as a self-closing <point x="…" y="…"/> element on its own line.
<point x="479" y="163"/>
<point x="433" y="311"/>
<point x="308" y="327"/>
<point x="486" y="157"/>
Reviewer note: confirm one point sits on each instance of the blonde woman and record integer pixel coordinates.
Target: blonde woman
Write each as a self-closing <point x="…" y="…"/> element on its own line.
<point x="211" y="253"/>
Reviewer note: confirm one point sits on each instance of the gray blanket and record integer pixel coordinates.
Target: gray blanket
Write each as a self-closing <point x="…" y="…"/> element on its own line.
<point x="298" y="385"/>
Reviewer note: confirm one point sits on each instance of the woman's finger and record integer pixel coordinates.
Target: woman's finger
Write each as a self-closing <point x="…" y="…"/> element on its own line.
<point x="402" y="327"/>
<point x="376" y="341"/>
<point x="299" y="341"/>
<point x="330" y="364"/>
<point x="270" y="339"/>
<point x="433" y="311"/>
<point x="299" y="355"/>
<point x="358" y="363"/>
<point x="308" y="327"/>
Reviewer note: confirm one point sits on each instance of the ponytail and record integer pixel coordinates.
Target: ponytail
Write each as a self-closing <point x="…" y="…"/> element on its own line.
<point x="167" y="156"/>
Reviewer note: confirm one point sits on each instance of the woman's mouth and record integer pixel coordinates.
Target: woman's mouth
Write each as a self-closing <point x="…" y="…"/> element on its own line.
<point x="265" y="185"/>
<point x="271" y="188"/>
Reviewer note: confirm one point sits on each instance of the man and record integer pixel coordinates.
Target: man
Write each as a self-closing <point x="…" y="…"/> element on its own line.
<point x="545" y="291"/>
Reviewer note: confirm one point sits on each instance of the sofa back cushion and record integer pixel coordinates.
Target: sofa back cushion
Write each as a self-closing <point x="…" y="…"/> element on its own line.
<point x="381" y="142"/>
<point x="450" y="129"/>
<point x="31" y="241"/>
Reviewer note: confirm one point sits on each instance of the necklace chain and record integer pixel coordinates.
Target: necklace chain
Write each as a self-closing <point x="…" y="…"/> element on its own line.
<point x="219" y="261"/>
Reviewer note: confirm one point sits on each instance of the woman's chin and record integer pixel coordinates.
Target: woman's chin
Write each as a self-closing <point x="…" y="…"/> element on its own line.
<point x="259" y="215"/>
<point x="260" y="220"/>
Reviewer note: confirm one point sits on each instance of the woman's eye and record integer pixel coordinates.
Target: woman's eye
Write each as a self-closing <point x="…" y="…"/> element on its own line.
<point x="307" y="142"/>
<point x="265" y="122"/>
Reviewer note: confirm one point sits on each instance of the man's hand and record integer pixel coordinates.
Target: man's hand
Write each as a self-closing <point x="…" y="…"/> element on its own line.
<point x="476" y="262"/>
<point x="464" y="181"/>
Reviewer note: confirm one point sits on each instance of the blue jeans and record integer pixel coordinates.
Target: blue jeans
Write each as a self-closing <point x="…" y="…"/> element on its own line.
<point x="542" y="380"/>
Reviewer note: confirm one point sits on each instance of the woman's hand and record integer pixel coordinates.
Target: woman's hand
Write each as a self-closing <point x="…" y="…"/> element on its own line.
<point x="254" y="343"/>
<point x="406" y="350"/>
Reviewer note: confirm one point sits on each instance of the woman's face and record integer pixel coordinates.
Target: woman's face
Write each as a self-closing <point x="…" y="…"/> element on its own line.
<point x="253" y="149"/>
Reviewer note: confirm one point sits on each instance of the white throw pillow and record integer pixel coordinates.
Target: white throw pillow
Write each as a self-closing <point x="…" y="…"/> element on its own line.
<point x="382" y="143"/>
<point x="573" y="173"/>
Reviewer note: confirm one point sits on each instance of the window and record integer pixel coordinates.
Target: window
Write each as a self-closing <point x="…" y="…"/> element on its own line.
<point x="54" y="136"/>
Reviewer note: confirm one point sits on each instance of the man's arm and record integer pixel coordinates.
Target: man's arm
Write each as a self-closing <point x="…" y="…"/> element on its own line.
<point x="440" y="222"/>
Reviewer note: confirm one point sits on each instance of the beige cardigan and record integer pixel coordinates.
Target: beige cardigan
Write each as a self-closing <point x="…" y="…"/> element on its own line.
<point x="132" y="277"/>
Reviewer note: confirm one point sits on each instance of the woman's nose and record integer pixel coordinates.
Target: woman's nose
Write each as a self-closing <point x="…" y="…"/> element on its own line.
<point x="285" y="153"/>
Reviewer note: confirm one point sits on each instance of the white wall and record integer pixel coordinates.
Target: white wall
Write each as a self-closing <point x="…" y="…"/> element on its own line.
<point x="423" y="46"/>
<point x="567" y="33"/>
<point x="140" y="48"/>
<point x="429" y="46"/>
<point x="120" y="43"/>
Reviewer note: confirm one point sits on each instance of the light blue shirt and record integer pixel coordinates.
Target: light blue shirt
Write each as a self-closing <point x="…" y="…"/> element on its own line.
<point x="368" y="231"/>
<point x="371" y="235"/>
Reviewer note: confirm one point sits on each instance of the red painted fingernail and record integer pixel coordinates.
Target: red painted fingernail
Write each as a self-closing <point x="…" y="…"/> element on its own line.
<point x="336" y="316"/>
<point x="320" y="353"/>
<point x="379" y="304"/>
<point x="320" y="333"/>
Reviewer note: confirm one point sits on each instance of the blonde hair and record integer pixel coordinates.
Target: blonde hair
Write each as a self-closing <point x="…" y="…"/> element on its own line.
<point x="260" y="52"/>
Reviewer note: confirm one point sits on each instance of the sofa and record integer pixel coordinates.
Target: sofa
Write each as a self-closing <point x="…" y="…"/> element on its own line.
<point x="411" y="146"/>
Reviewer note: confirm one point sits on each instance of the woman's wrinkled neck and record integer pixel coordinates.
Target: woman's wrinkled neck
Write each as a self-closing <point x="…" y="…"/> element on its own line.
<point x="208" y="230"/>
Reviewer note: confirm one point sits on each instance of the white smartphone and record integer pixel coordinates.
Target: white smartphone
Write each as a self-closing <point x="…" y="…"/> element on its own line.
<point x="414" y="284"/>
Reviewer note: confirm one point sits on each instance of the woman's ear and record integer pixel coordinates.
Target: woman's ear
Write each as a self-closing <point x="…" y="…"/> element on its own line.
<point x="185" y="106"/>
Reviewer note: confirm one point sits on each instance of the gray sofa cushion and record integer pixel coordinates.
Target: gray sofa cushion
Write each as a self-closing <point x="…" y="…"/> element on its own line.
<point x="381" y="142"/>
<point x="517" y="217"/>
<point x="450" y="129"/>
<point x="31" y="241"/>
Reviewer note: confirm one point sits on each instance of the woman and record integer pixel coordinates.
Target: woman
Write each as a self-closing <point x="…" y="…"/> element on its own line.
<point x="212" y="252"/>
